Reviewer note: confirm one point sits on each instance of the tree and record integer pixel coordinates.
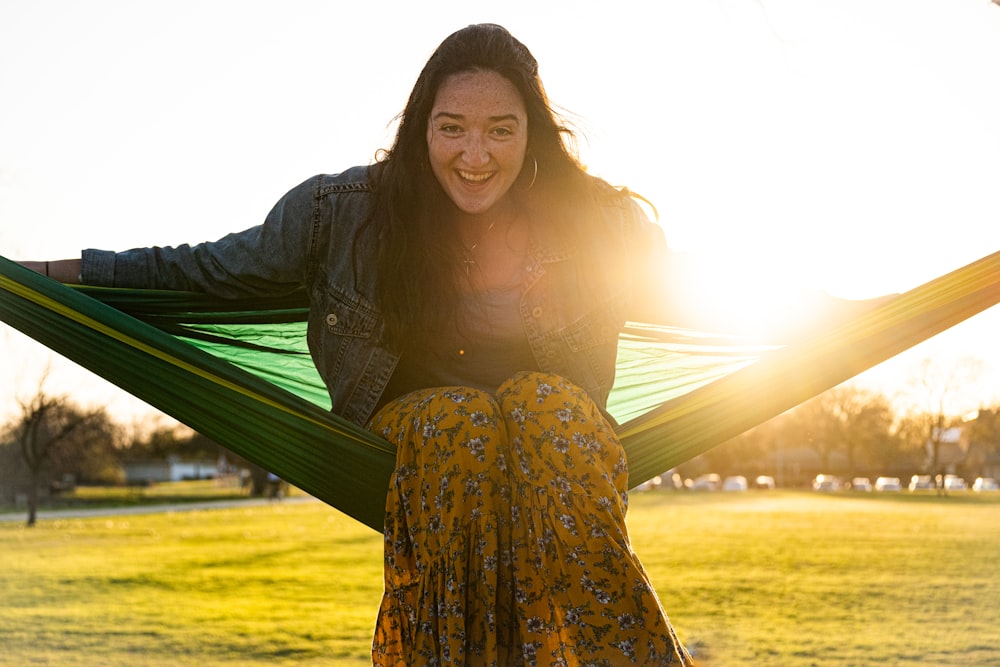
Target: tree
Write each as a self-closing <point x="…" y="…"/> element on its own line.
<point x="47" y="425"/>
<point x="173" y="440"/>
<point x="850" y="429"/>
<point x="749" y="453"/>
<point x="934" y="388"/>
<point x="821" y="424"/>
<point x="866" y="421"/>
<point x="896" y="453"/>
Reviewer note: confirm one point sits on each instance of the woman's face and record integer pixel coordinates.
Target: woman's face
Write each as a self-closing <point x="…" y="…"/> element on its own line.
<point x="477" y="136"/>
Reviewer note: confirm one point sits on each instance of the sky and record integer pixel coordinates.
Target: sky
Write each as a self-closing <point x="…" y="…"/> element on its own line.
<point x="847" y="146"/>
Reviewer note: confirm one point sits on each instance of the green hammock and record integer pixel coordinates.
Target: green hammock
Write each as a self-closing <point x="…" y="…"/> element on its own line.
<point x="239" y="372"/>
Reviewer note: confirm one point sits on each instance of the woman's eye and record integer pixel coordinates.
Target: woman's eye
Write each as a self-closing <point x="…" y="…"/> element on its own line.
<point x="503" y="131"/>
<point x="450" y="129"/>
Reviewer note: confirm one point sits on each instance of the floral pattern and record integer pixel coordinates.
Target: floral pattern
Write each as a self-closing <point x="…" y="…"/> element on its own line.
<point x="505" y="538"/>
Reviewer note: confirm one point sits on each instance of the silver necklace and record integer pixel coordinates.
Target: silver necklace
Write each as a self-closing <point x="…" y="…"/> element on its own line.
<point x="470" y="259"/>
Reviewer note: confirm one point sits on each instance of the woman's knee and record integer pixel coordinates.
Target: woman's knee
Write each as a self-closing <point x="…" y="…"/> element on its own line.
<point x="557" y="429"/>
<point x="535" y="387"/>
<point x="441" y="423"/>
<point x="425" y="406"/>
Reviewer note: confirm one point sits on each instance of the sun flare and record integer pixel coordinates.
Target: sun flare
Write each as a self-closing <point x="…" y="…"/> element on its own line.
<point x="760" y="299"/>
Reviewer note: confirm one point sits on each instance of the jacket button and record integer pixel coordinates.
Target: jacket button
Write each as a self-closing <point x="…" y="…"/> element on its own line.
<point x="536" y="312"/>
<point x="331" y="320"/>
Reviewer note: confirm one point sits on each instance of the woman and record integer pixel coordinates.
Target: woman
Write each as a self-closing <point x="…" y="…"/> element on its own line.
<point x="467" y="292"/>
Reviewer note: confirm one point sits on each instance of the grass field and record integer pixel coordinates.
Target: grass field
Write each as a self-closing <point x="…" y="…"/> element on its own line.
<point x="761" y="578"/>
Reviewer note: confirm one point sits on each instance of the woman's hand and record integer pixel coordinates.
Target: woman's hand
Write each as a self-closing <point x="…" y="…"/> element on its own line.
<point x="63" y="270"/>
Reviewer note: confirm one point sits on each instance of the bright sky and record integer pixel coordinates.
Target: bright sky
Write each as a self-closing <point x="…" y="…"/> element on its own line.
<point x="850" y="146"/>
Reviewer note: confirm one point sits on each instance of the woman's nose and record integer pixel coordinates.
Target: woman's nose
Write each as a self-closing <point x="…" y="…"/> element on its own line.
<point x="475" y="152"/>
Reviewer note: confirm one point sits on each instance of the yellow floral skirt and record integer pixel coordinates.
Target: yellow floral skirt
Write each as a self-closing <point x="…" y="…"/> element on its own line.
<point x="505" y="537"/>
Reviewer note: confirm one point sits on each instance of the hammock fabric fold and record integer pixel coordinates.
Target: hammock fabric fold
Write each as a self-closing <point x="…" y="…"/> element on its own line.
<point x="239" y="372"/>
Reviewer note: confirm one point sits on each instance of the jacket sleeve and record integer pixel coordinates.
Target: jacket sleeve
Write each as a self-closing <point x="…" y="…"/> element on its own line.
<point x="264" y="260"/>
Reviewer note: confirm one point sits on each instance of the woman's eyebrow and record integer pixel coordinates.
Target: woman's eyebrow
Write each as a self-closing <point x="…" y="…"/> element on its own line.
<point x="493" y="119"/>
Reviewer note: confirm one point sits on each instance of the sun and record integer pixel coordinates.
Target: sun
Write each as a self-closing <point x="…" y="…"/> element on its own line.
<point x="758" y="297"/>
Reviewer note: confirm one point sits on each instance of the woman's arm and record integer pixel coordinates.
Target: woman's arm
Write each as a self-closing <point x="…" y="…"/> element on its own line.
<point x="265" y="259"/>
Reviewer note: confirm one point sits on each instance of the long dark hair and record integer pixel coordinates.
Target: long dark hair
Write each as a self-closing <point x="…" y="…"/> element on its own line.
<point x="418" y="246"/>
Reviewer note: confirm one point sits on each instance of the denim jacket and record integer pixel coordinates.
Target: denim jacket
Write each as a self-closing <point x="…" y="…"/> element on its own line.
<point x="308" y="240"/>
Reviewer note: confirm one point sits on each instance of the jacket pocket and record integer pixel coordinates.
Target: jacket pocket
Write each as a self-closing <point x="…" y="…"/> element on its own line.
<point x="597" y="328"/>
<point x="343" y="328"/>
<point x="590" y="345"/>
<point x="348" y="314"/>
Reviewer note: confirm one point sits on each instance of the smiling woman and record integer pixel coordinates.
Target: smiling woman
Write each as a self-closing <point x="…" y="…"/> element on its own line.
<point x="473" y="322"/>
<point x="748" y="134"/>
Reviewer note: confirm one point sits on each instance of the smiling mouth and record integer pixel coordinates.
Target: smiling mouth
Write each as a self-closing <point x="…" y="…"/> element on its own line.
<point x="475" y="179"/>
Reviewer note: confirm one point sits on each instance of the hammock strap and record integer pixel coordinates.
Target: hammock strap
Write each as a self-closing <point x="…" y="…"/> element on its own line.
<point x="786" y="377"/>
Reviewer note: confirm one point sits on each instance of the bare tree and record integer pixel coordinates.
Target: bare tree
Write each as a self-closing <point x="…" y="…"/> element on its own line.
<point x="934" y="390"/>
<point x="47" y="423"/>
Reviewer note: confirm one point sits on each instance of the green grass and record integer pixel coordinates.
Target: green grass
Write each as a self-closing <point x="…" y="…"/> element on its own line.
<point x="809" y="579"/>
<point x="786" y="578"/>
<point x="280" y="583"/>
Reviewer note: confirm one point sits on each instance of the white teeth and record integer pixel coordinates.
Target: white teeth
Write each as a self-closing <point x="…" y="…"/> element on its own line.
<point x="475" y="178"/>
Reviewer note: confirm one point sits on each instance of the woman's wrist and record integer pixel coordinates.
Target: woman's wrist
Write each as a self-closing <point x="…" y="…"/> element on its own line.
<point x="63" y="270"/>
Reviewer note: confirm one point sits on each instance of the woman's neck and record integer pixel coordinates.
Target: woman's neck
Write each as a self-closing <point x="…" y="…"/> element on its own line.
<point x="494" y="247"/>
<point x="473" y="227"/>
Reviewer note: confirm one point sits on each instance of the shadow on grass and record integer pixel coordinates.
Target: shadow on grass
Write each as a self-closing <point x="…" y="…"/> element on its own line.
<point x="151" y="495"/>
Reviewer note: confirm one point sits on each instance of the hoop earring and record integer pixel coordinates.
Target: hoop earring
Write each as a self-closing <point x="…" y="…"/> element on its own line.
<point x="534" y="174"/>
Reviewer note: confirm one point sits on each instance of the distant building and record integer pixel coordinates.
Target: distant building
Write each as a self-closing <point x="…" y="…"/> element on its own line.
<point x="982" y="454"/>
<point x="952" y="447"/>
<point x="960" y="452"/>
<point x="172" y="469"/>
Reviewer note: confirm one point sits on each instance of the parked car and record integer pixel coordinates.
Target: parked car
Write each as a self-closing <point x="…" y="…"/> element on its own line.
<point x="922" y="483"/>
<point x="735" y="483"/>
<point x="888" y="484"/>
<point x="985" y="484"/>
<point x="672" y="481"/>
<point x="861" y="484"/>
<point x="650" y="484"/>
<point x="709" y="482"/>
<point x="954" y="483"/>
<point x="826" y="483"/>
<point x="763" y="482"/>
